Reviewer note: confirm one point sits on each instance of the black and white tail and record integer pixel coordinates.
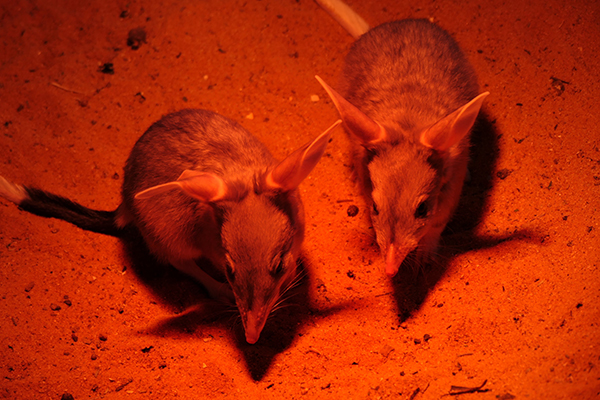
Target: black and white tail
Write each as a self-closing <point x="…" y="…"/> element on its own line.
<point x="49" y="205"/>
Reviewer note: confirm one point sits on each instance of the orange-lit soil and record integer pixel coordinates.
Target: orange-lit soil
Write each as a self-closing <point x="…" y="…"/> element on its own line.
<point x="514" y="303"/>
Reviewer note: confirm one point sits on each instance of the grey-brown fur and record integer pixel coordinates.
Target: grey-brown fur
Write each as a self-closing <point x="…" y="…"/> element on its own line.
<point x="199" y="185"/>
<point x="408" y="100"/>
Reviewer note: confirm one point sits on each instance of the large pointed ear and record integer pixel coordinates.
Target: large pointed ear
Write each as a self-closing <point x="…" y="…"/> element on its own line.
<point x="202" y="186"/>
<point x="449" y="130"/>
<point x="363" y="128"/>
<point x="288" y="174"/>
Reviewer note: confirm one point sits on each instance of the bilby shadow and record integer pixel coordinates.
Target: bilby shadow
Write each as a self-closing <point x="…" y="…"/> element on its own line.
<point x="413" y="282"/>
<point x="193" y="309"/>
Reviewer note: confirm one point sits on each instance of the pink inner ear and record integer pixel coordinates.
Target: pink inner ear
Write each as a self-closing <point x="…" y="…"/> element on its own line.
<point x="202" y="186"/>
<point x="449" y="130"/>
<point x="367" y="131"/>
<point x="292" y="170"/>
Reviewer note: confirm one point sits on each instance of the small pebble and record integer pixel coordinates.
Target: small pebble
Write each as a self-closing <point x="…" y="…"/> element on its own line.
<point x="503" y="173"/>
<point x="67" y="396"/>
<point x="314" y="98"/>
<point x="352" y="211"/>
<point x="54" y="307"/>
<point x="102" y="337"/>
<point x="136" y="37"/>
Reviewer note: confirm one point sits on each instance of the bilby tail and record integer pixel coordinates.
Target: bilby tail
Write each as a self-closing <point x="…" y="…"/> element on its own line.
<point x="49" y="205"/>
<point x="345" y="16"/>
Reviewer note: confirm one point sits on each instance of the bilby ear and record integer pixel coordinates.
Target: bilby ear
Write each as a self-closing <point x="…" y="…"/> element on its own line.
<point x="449" y="130"/>
<point x="360" y="126"/>
<point x="290" y="172"/>
<point x="202" y="186"/>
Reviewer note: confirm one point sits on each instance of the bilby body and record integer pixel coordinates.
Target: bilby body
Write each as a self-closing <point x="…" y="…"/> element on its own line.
<point x="198" y="185"/>
<point x="408" y="99"/>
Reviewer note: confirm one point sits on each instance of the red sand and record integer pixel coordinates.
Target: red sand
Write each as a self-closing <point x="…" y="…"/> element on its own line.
<point x="515" y="304"/>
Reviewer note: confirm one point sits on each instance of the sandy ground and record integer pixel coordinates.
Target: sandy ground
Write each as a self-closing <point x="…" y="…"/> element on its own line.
<point x="514" y="304"/>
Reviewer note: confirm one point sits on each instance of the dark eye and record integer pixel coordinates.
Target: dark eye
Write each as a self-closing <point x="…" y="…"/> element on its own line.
<point x="278" y="269"/>
<point x="375" y="210"/>
<point x="422" y="210"/>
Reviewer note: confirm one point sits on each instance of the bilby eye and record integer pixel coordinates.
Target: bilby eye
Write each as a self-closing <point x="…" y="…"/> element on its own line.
<point x="422" y="210"/>
<point x="375" y="209"/>
<point x="278" y="269"/>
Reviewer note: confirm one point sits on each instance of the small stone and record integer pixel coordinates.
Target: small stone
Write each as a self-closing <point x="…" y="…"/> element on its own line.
<point x="352" y="211"/>
<point x="503" y="173"/>
<point x="314" y="98"/>
<point x="29" y="286"/>
<point x="54" y="307"/>
<point x="136" y="37"/>
<point x="107" y="68"/>
<point x="67" y="396"/>
<point x="387" y="349"/>
<point x="102" y="337"/>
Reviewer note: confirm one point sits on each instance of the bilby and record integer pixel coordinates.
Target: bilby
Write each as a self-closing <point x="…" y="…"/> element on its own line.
<point x="198" y="185"/>
<point x="408" y="100"/>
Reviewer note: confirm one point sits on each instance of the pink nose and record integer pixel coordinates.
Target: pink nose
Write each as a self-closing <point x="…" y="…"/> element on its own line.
<point x="394" y="258"/>
<point x="255" y="322"/>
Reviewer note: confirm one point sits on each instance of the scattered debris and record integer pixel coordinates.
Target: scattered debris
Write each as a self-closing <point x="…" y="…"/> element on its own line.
<point x="414" y="393"/>
<point x="386" y="350"/>
<point x="506" y="396"/>
<point x="456" y="390"/>
<point x="136" y="37"/>
<point x="122" y="386"/>
<point x="65" y="88"/>
<point x="107" y="68"/>
<point x="558" y="85"/>
<point x="504" y="173"/>
<point x="141" y="97"/>
<point x="352" y="211"/>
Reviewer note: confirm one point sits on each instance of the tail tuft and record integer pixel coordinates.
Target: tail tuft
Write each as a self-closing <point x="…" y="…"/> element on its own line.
<point x="12" y="192"/>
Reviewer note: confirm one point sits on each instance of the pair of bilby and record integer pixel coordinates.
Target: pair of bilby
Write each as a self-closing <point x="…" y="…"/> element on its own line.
<point x="198" y="185"/>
